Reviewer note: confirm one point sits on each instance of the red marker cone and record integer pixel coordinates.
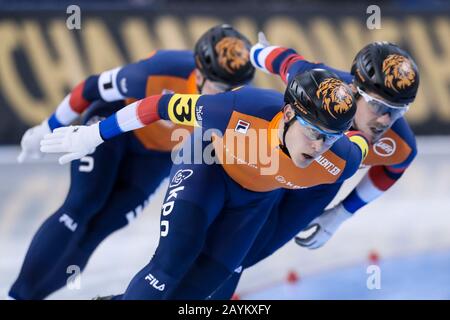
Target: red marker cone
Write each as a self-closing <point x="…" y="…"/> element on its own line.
<point x="374" y="257"/>
<point x="292" y="277"/>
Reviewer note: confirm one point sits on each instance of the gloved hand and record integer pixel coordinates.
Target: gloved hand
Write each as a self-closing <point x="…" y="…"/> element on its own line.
<point x="262" y="40"/>
<point x="325" y="226"/>
<point x="262" y="43"/>
<point x="75" y="141"/>
<point x="30" y="142"/>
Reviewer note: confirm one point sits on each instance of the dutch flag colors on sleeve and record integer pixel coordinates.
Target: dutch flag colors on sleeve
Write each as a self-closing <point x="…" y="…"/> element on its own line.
<point x="104" y="87"/>
<point x="273" y="59"/>
<point x="377" y="180"/>
<point x="134" y="116"/>
<point x="75" y="103"/>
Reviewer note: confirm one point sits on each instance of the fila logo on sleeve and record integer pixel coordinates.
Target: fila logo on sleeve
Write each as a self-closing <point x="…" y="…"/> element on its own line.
<point x="242" y="126"/>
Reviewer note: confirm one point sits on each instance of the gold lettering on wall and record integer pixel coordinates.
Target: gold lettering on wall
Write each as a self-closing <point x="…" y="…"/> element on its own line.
<point x="12" y="86"/>
<point x="198" y="25"/>
<point x="434" y="66"/>
<point x="101" y="49"/>
<point x="171" y="34"/>
<point x="137" y="39"/>
<point x="57" y="62"/>
<point x="330" y="48"/>
<point x="54" y="73"/>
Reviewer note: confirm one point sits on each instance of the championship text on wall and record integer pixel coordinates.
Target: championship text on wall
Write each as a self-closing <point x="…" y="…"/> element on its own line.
<point x="41" y="59"/>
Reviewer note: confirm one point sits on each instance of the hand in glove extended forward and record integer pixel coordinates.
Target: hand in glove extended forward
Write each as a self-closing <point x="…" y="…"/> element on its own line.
<point x="323" y="227"/>
<point x="30" y="142"/>
<point x="75" y="141"/>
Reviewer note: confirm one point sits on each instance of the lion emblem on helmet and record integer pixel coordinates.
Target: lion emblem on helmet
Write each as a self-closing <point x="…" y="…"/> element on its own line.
<point x="336" y="96"/>
<point x="398" y="72"/>
<point x="232" y="54"/>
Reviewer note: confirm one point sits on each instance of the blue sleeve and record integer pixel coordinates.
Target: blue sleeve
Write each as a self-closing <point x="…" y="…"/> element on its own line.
<point x="90" y="90"/>
<point x="304" y="65"/>
<point x="132" y="78"/>
<point x="352" y="153"/>
<point x="402" y="128"/>
<point x="261" y="103"/>
<point x="353" y="162"/>
<point x="206" y="111"/>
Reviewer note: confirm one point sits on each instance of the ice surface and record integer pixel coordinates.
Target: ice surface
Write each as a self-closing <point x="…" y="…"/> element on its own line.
<point x="409" y="228"/>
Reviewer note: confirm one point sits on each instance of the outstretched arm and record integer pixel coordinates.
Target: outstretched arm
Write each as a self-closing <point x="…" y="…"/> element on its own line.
<point x="375" y="183"/>
<point x="66" y="112"/>
<point x="77" y="141"/>
<point x="285" y="61"/>
<point x="112" y="85"/>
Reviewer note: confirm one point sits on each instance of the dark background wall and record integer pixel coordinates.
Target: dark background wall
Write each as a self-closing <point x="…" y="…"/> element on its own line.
<point x="41" y="59"/>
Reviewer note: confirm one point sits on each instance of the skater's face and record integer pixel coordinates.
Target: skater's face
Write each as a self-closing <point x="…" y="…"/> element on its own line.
<point x="374" y="120"/>
<point x="304" y="144"/>
<point x="208" y="86"/>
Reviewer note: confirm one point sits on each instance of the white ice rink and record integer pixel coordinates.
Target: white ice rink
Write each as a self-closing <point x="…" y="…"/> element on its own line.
<point x="409" y="227"/>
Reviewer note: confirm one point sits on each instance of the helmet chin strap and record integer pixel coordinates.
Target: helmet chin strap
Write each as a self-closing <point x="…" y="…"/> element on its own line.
<point x="200" y="87"/>
<point x="285" y="129"/>
<point x="354" y="126"/>
<point x="357" y="97"/>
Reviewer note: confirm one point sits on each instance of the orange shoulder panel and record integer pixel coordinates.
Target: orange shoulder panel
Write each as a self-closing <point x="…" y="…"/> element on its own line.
<point x="157" y="136"/>
<point x="391" y="149"/>
<point x="249" y="153"/>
